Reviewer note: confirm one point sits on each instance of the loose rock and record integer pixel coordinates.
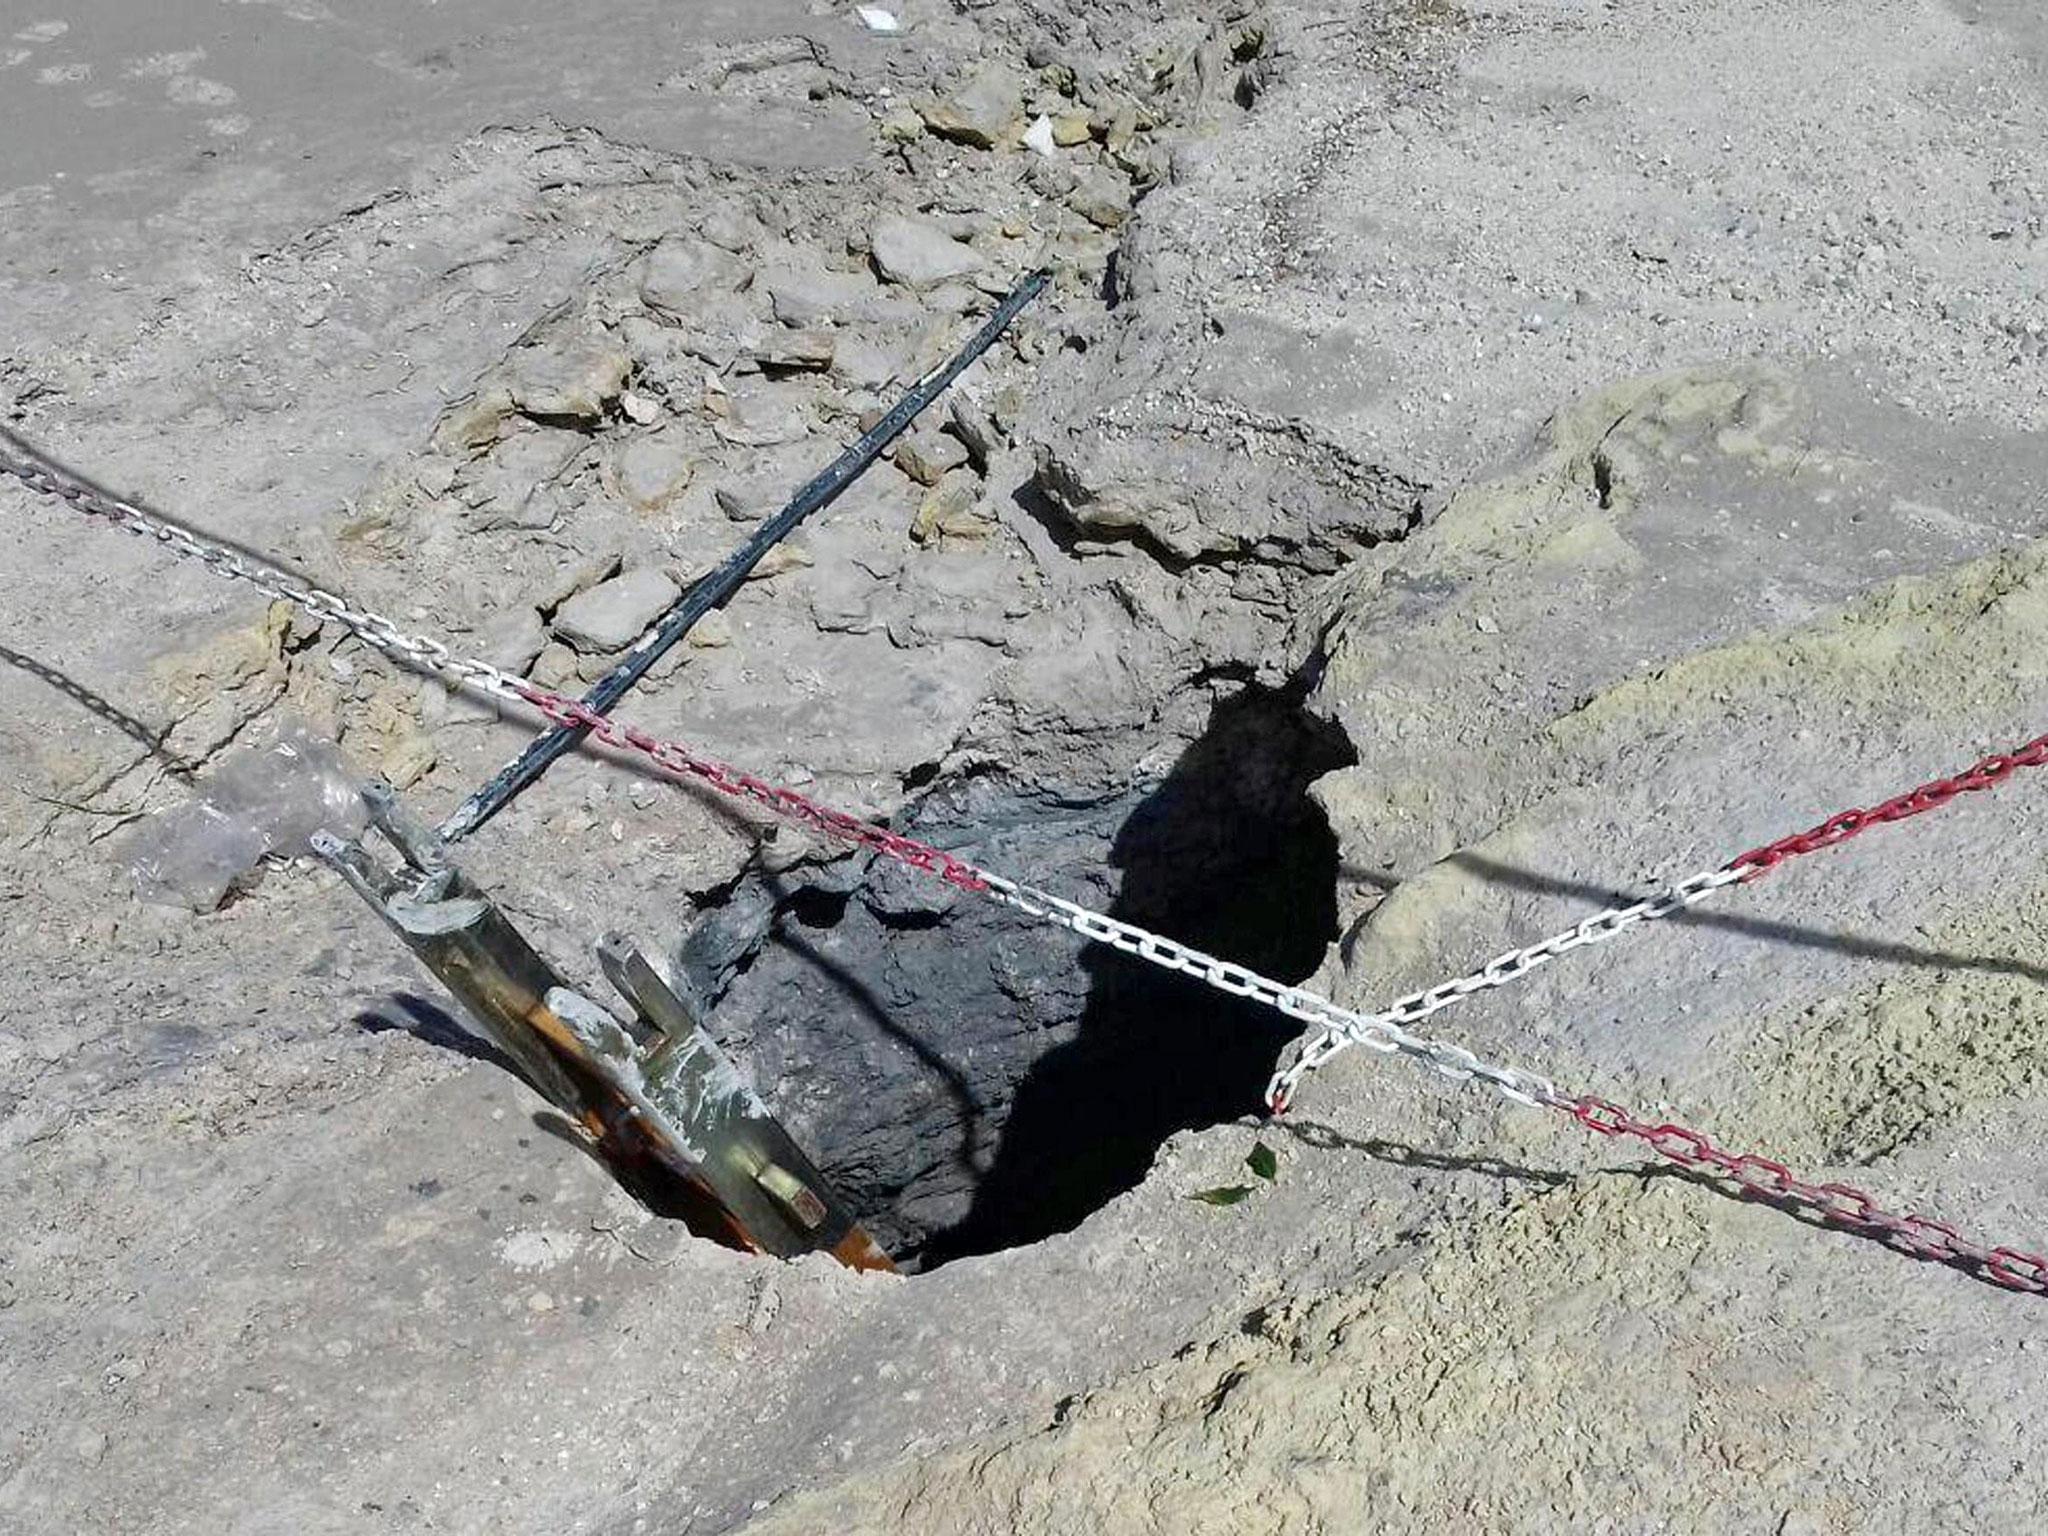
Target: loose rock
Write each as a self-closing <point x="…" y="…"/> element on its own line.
<point x="678" y="272"/>
<point x="809" y="351"/>
<point x="811" y="296"/>
<point x="918" y="253"/>
<point x="953" y="510"/>
<point x="985" y="112"/>
<point x="652" y="470"/>
<point x="1072" y="128"/>
<point x="760" y="417"/>
<point x="1101" y="197"/>
<point x="568" y="380"/>
<point x="926" y="455"/>
<point x="613" y="614"/>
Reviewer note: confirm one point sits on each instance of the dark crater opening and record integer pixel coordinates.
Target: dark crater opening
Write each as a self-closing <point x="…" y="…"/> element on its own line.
<point x="971" y="1080"/>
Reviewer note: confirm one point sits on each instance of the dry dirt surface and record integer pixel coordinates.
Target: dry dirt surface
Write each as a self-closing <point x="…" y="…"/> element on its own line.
<point x="1476" y="463"/>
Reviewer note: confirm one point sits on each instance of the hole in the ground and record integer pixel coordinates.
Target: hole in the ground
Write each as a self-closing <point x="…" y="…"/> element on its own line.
<point x="970" y="1082"/>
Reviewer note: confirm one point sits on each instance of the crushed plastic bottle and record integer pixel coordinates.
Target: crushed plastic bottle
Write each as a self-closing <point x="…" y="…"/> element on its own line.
<point x="258" y="801"/>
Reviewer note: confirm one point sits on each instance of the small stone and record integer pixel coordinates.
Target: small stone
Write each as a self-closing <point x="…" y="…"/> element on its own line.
<point x="750" y="500"/>
<point x="1039" y="138"/>
<point x="951" y="299"/>
<point x="760" y="418"/>
<point x="436" y="477"/>
<point x="555" y="667"/>
<point x="864" y="364"/>
<point x="515" y="486"/>
<point x="985" y="112"/>
<point x="952" y="510"/>
<point x="677" y="272"/>
<point x="730" y="227"/>
<point x="640" y="409"/>
<point x="712" y="632"/>
<point x="810" y="296"/>
<point x="901" y="126"/>
<point x="474" y="424"/>
<point x="89" y="1446"/>
<point x="613" y="614"/>
<point x="405" y="762"/>
<point x="1101" y="197"/>
<point x="540" y="1301"/>
<point x="810" y="351"/>
<point x="652" y="470"/>
<point x="927" y="455"/>
<point x="570" y="380"/>
<point x="919" y="253"/>
<point x="579" y="576"/>
<point x="1071" y="128"/>
<point x="976" y="429"/>
<point x="1122" y="132"/>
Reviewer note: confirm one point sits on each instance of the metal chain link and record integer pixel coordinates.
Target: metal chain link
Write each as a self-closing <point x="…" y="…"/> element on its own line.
<point x="1376" y="1032"/>
<point x="1340" y="1027"/>
<point x="678" y="759"/>
<point x="1986" y="773"/>
<point x="1841" y="1204"/>
<point x="1499" y="972"/>
<point x="416" y="651"/>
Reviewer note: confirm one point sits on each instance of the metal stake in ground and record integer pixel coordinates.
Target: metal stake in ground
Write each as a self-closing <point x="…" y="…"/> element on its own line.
<point x="500" y="789"/>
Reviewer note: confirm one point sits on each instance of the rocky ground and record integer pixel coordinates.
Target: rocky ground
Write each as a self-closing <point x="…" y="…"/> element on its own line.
<point x="1474" y="461"/>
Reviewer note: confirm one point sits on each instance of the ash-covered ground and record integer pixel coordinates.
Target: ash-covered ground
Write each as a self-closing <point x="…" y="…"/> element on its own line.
<point x="1475" y="463"/>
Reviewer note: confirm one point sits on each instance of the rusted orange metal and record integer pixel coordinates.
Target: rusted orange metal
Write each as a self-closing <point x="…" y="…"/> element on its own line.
<point x="659" y="1099"/>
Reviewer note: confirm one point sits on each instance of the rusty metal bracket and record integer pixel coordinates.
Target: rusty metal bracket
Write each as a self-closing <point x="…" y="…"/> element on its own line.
<point x="665" y="1106"/>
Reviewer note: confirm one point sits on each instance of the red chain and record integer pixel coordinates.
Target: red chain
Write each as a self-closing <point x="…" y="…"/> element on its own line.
<point x="1843" y="825"/>
<point x="676" y="759"/>
<point x="1838" y="1204"/>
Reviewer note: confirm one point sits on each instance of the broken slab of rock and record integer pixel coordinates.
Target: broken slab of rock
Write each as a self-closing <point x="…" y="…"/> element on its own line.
<point x="1072" y="128"/>
<point x="1194" y="491"/>
<point x="986" y="112"/>
<point x="678" y="274"/>
<point x="1101" y="197"/>
<point x="613" y="614"/>
<point x="571" y="380"/>
<point x="918" y="253"/>
<point x="864" y="364"/>
<point x="515" y="486"/>
<point x="763" y="483"/>
<point x="513" y="638"/>
<point x="804" y="295"/>
<point x="651" y="471"/>
<point x="975" y="429"/>
<point x="953" y="509"/>
<point x="759" y="418"/>
<point x="795" y="351"/>
<point x="927" y="455"/>
<point x="470" y="426"/>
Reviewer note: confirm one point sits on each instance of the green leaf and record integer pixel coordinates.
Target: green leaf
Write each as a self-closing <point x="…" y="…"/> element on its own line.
<point x="1262" y="1161"/>
<point x="1227" y="1194"/>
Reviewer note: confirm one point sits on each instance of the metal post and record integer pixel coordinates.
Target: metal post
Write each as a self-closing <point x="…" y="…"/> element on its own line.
<point x="664" y="1104"/>
<point x="498" y="791"/>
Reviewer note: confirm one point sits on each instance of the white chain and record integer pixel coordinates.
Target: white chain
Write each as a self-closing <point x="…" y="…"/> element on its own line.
<point x="1499" y="972"/>
<point x="1340" y="1027"/>
<point x="416" y="651"/>
<point x="1376" y="1032"/>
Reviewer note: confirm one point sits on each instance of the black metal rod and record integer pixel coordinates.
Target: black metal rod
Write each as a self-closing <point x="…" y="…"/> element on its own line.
<point x="501" y="788"/>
